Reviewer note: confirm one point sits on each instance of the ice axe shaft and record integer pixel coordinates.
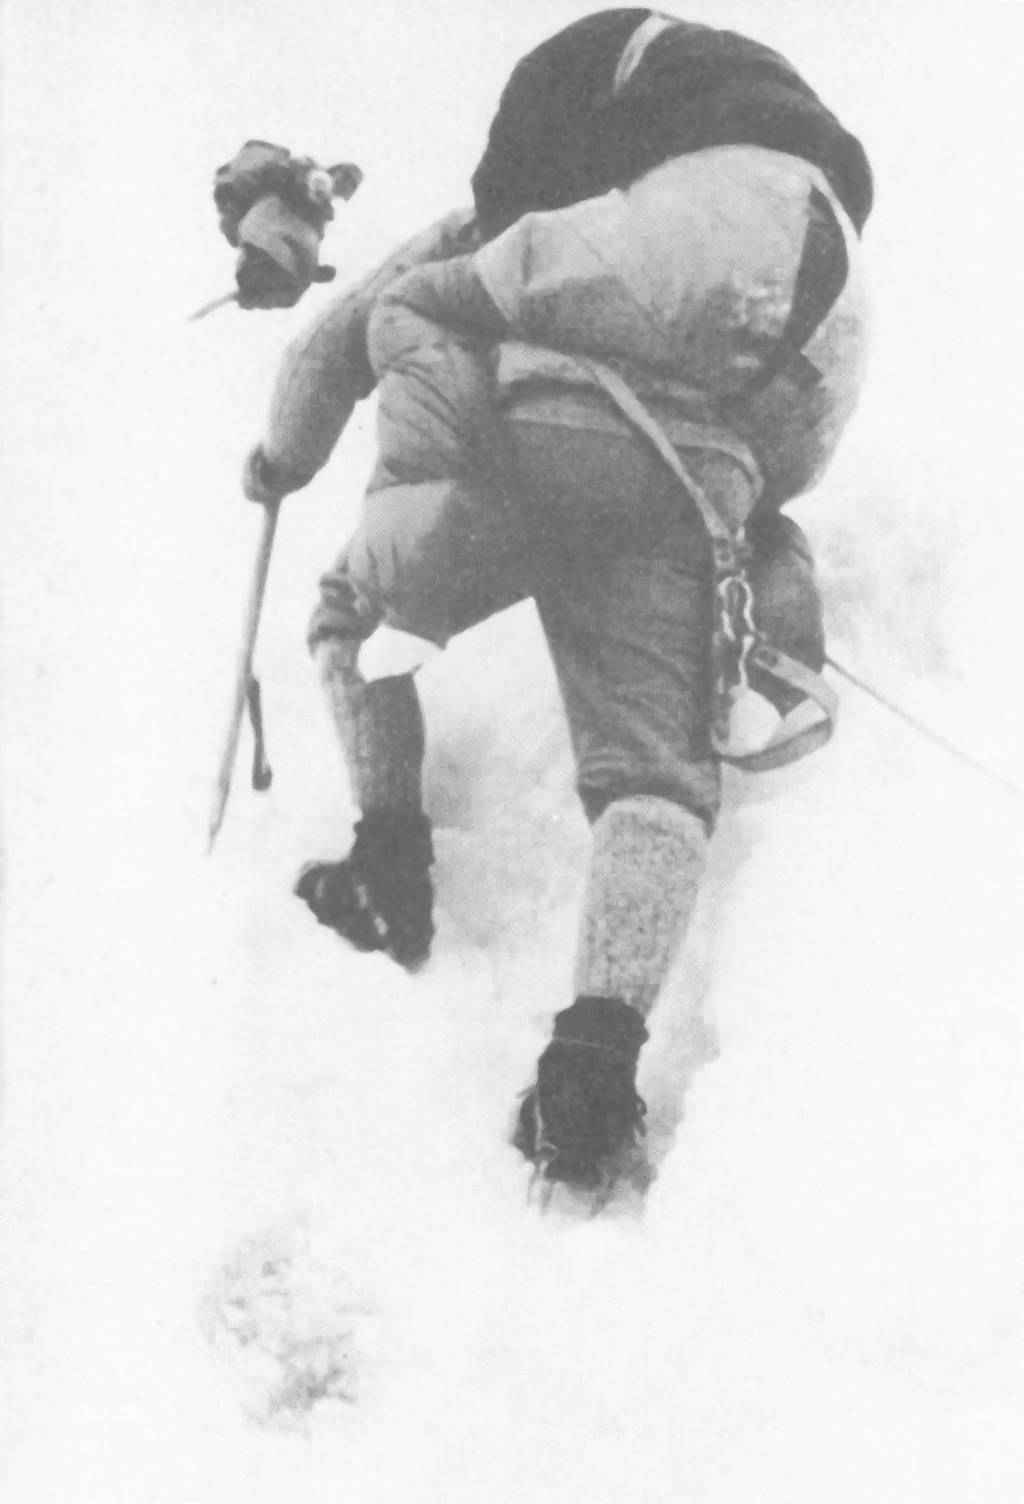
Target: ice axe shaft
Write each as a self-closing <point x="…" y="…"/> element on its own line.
<point x="213" y="305"/>
<point x="246" y="689"/>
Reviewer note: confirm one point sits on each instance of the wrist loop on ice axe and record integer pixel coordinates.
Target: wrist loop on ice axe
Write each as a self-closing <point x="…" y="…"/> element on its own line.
<point x="737" y="645"/>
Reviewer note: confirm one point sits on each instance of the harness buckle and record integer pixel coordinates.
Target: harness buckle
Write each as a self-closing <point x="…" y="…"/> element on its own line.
<point x="735" y="631"/>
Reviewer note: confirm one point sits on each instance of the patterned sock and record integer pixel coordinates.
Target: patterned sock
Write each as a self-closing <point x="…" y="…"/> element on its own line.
<point x="380" y="727"/>
<point x="646" y="865"/>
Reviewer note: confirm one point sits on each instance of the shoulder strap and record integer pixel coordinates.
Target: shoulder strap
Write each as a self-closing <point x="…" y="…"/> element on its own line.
<point x="793" y="739"/>
<point x="724" y="543"/>
<point x="629" y="61"/>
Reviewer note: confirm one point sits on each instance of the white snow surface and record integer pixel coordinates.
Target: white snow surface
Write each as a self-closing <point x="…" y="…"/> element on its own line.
<point x="263" y="1234"/>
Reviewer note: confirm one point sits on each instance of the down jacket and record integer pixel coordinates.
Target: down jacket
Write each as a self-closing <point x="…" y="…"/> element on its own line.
<point x="597" y="105"/>
<point x="686" y="283"/>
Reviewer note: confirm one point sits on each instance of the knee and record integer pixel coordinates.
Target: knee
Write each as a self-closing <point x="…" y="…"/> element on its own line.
<point x="343" y="617"/>
<point x="698" y="809"/>
<point x="337" y="660"/>
<point x="652" y="833"/>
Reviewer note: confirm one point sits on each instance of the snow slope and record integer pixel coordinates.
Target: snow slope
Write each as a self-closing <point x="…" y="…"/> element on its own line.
<point x="220" y="1125"/>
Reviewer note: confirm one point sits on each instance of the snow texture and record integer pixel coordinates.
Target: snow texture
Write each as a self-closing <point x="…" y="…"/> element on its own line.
<point x="264" y="1236"/>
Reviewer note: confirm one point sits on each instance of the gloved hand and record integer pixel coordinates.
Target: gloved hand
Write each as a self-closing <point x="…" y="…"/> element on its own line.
<point x="268" y="483"/>
<point x="277" y="260"/>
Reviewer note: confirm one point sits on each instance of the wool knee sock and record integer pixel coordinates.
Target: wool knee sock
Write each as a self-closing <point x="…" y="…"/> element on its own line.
<point x="380" y="728"/>
<point x="646" y="865"/>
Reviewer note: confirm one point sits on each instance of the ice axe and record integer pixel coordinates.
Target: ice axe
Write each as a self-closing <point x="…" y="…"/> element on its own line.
<point x="246" y="694"/>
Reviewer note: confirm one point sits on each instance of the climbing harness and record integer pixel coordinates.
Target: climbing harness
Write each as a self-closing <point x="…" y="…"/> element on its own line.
<point x="737" y="644"/>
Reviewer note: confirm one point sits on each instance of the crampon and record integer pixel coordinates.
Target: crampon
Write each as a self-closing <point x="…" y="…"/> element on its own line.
<point x="582" y="1124"/>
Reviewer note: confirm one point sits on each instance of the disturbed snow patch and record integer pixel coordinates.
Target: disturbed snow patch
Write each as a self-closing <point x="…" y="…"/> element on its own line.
<point x="289" y="1325"/>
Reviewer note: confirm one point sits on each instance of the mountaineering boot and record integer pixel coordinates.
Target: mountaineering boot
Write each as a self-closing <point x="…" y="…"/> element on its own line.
<point x="380" y="896"/>
<point x="584" y="1114"/>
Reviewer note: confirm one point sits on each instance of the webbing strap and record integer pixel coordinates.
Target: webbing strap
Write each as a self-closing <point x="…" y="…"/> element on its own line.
<point x="725" y="544"/>
<point x="820" y="278"/>
<point x="790" y="742"/>
<point x="637" y="45"/>
<point x="728" y="548"/>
